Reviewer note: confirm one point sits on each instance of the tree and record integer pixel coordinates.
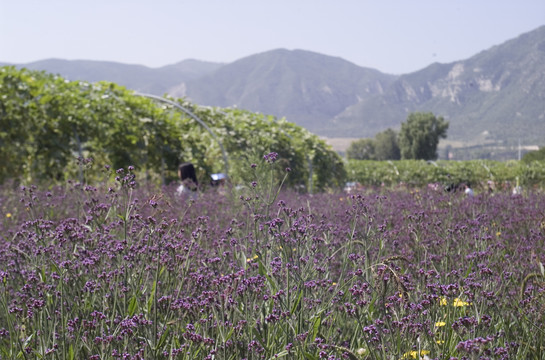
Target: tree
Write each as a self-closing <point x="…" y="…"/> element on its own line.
<point x="420" y="134"/>
<point x="361" y="149"/>
<point x="536" y="155"/>
<point x="386" y="145"/>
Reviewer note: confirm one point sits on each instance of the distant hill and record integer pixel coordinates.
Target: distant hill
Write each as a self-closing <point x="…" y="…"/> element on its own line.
<point x="137" y="77"/>
<point x="494" y="97"/>
<point x="305" y="87"/>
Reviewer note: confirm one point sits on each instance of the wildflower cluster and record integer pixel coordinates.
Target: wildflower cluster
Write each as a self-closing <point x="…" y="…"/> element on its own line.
<point x="134" y="272"/>
<point x="270" y="157"/>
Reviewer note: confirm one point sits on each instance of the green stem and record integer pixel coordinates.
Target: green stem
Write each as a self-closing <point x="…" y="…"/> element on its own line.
<point x="63" y="328"/>
<point x="10" y="325"/>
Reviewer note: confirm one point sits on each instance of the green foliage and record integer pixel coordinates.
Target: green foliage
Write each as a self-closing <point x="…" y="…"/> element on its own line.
<point x="420" y="134"/>
<point x="362" y="149"/>
<point x="247" y="136"/>
<point x="532" y="173"/>
<point x="420" y="173"/>
<point x="386" y="145"/>
<point x="383" y="147"/>
<point x="47" y="123"/>
<point x="538" y="155"/>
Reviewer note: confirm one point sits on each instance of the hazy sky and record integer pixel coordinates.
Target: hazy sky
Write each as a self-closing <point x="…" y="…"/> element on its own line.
<point x="391" y="36"/>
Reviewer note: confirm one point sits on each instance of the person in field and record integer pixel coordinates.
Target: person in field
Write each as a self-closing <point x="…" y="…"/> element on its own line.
<point x="467" y="189"/>
<point x="188" y="177"/>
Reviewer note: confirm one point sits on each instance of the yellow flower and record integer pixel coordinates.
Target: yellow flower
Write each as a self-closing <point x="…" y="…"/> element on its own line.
<point x="8" y="215"/>
<point x="443" y="301"/>
<point x="498" y="234"/>
<point x="440" y="342"/>
<point x="413" y="354"/>
<point x="252" y="259"/>
<point x="361" y="351"/>
<point x="459" y="303"/>
<point x="440" y="323"/>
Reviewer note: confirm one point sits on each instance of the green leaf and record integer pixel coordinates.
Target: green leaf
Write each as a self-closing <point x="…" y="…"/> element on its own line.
<point x="309" y="356"/>
<point x="151" y="296"/>
<point x="133" y="303"/>
<point x="316" y="327"/>
<point x="43" y="275"/>
<point x="280" y="354"/>
<point x="27" y="341"/>
<point x="257" y="334"/>
<point x="163" y="338"/>
<point x="4" y="352"/>
<point x="71" y="352"/>
<point x="263" y="272"/>
<point x="296" y="304"/>
<point x="229" y="334"/>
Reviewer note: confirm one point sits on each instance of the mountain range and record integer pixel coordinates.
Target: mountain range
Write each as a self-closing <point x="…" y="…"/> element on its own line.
<point x="494" y="97"/>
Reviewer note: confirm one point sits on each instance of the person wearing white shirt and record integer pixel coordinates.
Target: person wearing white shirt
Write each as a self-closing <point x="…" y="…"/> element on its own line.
<point x="468" y="190"/>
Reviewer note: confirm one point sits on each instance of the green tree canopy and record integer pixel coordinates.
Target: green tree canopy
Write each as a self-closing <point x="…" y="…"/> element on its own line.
<point x="361" y="149"/>
<point x="420" y="134"/>
<point x="386" y="145"/>
<point x="537" y="155"/>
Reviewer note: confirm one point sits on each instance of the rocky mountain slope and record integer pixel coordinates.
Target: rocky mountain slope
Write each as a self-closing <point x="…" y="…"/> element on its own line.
<point x="497" y="95"/>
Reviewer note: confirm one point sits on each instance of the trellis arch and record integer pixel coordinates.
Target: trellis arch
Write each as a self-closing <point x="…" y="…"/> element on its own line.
<point x="197" y="119"/>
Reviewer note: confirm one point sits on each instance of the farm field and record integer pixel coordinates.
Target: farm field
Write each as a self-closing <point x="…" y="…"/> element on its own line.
<point x="128" y="270"/>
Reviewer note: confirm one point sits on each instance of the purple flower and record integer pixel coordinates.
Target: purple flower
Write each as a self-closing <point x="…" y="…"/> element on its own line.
<point x="270" y="157"/>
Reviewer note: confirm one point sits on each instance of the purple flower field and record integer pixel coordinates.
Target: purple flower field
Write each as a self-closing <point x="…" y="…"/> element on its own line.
<point x="126" y="270"/>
